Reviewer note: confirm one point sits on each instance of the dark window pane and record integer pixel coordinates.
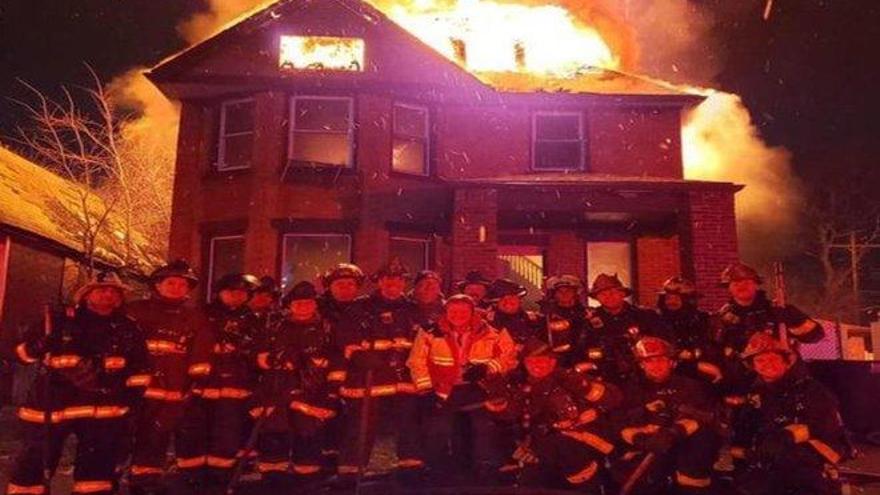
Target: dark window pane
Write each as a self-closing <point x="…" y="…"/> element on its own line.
<point x="408" y="156"/>
<point x="322" y="115"/>
<point x="557" y="127"/>
<point x="306" y="257"/>
<point x="410" y="121"/>
<point x="239" y="117"/>
<point x="321" y="149"/>
<point x="237" y="151"/>
<point x="559" y="155"/>
<point x="411" y="252"/>
<point x="226" y="256"/>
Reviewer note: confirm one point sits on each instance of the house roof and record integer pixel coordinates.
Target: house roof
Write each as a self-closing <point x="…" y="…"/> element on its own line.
<point x="591" y="81"/>
<point x="37" y="202"/>
<point x="579" y="179"/>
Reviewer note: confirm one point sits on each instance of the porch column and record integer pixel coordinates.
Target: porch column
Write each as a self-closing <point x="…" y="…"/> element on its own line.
<point x="475" y="232"/>
<point x="566" y="254"/>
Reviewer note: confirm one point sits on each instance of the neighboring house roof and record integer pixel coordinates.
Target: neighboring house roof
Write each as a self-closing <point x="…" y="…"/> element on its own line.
<point x="37" y="202"/>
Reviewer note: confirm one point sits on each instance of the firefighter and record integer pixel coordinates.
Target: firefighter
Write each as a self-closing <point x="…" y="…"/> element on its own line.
<point x="690" y="328"/>
<point x="614" y="328"/>
<point x="96" y="365"/>
<point x="795" y="438"/>
<point x="560" y="419"/>
<point x="292" y="402"/>
<point x="507" y="312"/>
<point x="563" y="313"/>
<point x="671" y="416"/>
<point x="376" y="337"/>
<point x="219" y="408"/>
<point x="453" y="358"/>
<point x="476" y="286"/>
<point x="750" y="311"/>
<point x="264" y="301"/>
<point x="180" y="345"/>
<point x="427" y="293"/>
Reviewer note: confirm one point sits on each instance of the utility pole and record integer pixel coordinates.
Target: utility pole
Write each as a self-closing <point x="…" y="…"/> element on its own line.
<point x="854" y="247"/>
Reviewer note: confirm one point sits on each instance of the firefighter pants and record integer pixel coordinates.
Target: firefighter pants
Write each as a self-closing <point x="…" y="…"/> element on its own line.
<point x="401" y="410"/>
<point x="561" y="461"/>
<point x="289" y="440"/>
<point x="159" y="421"/>
<point x="470" y="435"/>
<point x="801" y="470"/>
<point x="210" y="437"/>
<point x="96" y="455"/>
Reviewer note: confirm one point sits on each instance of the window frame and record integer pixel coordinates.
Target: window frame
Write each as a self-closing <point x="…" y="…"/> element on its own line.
<point x="209" y="286"/>
<point x="581" y="140"/>
<point x="426" y="168"/>
<point x="219" y="165"/>
<point x="292" y="130"/>
<point x="349" y="238"/>
<point x="426" y="241"/>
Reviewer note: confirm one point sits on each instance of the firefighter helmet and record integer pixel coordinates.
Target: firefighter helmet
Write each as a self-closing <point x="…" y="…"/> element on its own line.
<point x="394" y="268"/>
<point x="300" y="291"/>
<point x="268" y="285"/>
<point x="505" y="287"/>
<point x="762" y="342"/>
<point x="559" y="281"/>
<point x="427" y="274"/>
<point x="473" y="277"/>
<point x="535" y="347"/>
<point x="177" y="268"/>
<point x="680" y="286"/>
<point x="235" y="281"/>
<point x="343" y="270"/>
<point x="101" y="279"/>
<point x="648" y="347"/>
<point x="605" y="282"/>
<point x="460" y="298"/>
<point x="739" y="271"/>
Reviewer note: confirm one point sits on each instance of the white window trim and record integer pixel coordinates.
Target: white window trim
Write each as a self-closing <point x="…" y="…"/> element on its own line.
<point x="348" y="242"/>
<point x="210" y="285"/>
<point x="424" y="240"/>
<point x="221" y="144"/>
<point x="292" y="131"/>
<point x="426" y="169"/>
<point x="582" y="156"/>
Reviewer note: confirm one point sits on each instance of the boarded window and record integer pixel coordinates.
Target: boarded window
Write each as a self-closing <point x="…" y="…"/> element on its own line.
<point x="321" y="131"/>
<point x="413" y="252"/>
<point x="558" y="142"/>
<point x="236" y="147"/>
<point x="308" y="256"/>
<point x="226" y="255"/>
<point x="411" y="140"/>
<point x="609" y="257"/>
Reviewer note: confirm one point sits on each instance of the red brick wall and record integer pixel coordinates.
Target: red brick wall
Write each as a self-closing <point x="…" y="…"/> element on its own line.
<point x="710" y="242"/>
<point x="566" y="254"/>
<point x="475" y="208"/>
<point x="657" y="259"/>
<point x="635" y="141"/>
<point x="191" y="144"/>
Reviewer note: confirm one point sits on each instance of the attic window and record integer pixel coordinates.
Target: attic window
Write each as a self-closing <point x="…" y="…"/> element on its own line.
<point x="321" y="53"/>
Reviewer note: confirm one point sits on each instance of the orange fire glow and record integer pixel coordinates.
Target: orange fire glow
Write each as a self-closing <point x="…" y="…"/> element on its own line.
<point x="321" y="53"/>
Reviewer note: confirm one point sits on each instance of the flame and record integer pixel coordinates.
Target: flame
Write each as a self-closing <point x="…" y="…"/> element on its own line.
<point x="321" y="52"/>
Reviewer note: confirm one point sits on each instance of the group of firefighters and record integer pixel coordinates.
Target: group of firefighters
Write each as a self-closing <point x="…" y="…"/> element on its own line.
<point x="298" y="384"/>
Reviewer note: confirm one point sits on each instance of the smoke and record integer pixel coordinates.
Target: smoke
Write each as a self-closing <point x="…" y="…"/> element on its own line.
<point x="158" y="116"/>
<point x="220" y="13"/>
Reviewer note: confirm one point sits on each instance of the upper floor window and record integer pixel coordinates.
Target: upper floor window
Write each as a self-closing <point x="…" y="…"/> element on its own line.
<point x="321" y="130"/>
<point x="236" y="147"/>
<point x="413" y="252"/>
<point x="409" y="153"/>
<point x="308" y="256"/>
<point x="321" y="53"/>
<point x="225" y="256"/>
<point x="557" y="141"/>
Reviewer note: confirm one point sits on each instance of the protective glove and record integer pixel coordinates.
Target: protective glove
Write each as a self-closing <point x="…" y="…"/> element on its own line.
<point x="83" y="376"/>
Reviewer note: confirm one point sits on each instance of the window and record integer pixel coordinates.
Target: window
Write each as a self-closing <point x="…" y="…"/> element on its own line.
<point x="413" y="252"/>
<point x="321" y="131"/>
<point x="225" y="255"/>
<point x="409" y="154"/>
<point x="308" y="256"/>
<point x="321" y="53"/>
<point x="558" y="142"/>
<point x="609" y="257"/>
<point x="236" y="147"/>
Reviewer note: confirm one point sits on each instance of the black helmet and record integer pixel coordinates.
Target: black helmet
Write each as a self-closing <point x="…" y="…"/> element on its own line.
<point x="394" y="268"/>
<point x="268" y="285"/>
<point x="504" y="287"/>
<point x="300" y="291"/>
<point x="232" y="281"/>
<point x="177" y="268"/>
<point x="473" y="277"/>
<point x="343" y="270"/>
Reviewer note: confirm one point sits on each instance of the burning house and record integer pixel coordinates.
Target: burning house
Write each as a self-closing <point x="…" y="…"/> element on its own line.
<point x="315" y="132"/>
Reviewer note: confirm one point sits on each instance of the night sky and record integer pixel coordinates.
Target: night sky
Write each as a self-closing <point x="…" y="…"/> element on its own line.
<point x="809" y="74"/>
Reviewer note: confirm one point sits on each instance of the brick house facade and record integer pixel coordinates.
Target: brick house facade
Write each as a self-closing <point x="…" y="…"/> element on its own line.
<point x="286" y="168"/>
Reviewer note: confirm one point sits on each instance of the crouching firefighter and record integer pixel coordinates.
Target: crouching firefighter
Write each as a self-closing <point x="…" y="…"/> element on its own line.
<point x="95" y="361"/>
<point x="796" y="437"/>
<point x="669" y="417"/>
<point x="179" y="343"/>
<point x="560" y="419"/>
<point x="292" y="403"/>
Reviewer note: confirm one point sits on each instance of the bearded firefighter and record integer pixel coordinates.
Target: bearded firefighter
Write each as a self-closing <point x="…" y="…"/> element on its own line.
<point x="563" y="313"/>
<point x="614" y="328"/>
<point x="293" y="401"/>
<point x="96" y="365"/>
<point x="672" y="417"/>
<point x="451" y="359"/>
<point x="793" y="438"/>
<point x="180" y="346"/>
<point x="560" y="420"/>
<point x="698" y="355"/>
<point x="376" y="337"/>
<point x="507" y="312"/>
<point x="219" y="407"/>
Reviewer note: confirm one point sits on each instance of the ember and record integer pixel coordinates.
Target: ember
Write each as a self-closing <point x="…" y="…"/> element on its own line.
<point x="321" y="53"/>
